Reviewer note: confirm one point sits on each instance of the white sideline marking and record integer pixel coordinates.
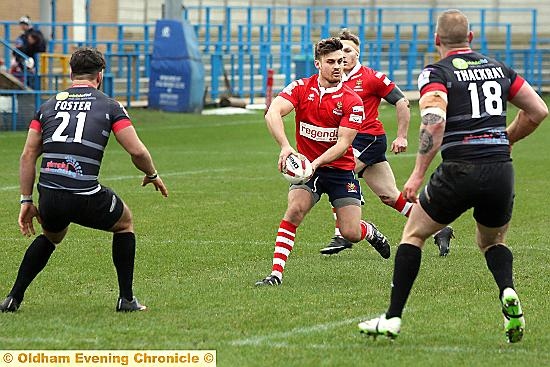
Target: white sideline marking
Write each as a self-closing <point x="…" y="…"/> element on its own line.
<point x="268" y="339"/>
<point x="115" y="178"/>
<point x="180" y="173"/>
<point x="8" y="188"/>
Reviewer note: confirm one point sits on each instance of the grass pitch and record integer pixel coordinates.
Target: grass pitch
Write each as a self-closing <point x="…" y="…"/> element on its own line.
<point x="200" y="251"/>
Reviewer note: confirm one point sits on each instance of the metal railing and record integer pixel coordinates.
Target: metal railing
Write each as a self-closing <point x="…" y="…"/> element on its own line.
<point x="242" y="43"/>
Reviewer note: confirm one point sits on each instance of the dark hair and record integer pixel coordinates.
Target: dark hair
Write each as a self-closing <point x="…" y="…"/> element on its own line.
<point x="346" y="35"/>
<point x="327" y="46"/>
<point x="86" y="63"/>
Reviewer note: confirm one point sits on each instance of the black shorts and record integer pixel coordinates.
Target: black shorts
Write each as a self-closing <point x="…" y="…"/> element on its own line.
<point x="370" y="149"/>
<point x="341" y="186"/>
<point x="455" y="187"/>
<point x="59" y="208"/>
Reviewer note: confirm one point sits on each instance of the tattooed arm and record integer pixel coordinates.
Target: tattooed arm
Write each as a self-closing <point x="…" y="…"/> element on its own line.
<point x="433" y="106"/>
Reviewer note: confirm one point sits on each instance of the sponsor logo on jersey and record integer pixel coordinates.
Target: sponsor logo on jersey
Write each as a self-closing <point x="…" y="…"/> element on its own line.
<point x="462" y="64"/>
<point x="338" y="110"/>
<point x="61" y="96"/>
<point x="358" y="82"/>
<point x="311" y="97"/>
<point x="80" y="95"/>
<point x="356" y="118"/>
<point x="351" y="187"/>
<point x="317" y="133"/>
<point x="358" y="109"/>
<point x="70" y="167"/>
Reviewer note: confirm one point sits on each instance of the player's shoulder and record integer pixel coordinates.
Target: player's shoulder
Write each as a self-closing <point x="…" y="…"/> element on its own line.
<point x="349" y="94"/>
<point x="295" y="84"/>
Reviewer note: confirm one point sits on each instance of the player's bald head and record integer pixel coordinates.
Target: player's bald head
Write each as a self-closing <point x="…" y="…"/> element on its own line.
<point x="453" y="28"/>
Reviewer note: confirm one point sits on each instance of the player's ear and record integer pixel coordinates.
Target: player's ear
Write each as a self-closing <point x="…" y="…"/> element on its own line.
<point x="470" y="36"/>
<point x="437" y="40"/>
<point x="317" y="64"/>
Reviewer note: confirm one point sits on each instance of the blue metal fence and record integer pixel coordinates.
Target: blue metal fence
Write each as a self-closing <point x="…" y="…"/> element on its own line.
<point x="244" y="42"/>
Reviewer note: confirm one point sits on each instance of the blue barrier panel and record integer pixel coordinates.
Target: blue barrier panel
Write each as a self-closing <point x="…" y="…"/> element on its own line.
<point x="176" y="79"/>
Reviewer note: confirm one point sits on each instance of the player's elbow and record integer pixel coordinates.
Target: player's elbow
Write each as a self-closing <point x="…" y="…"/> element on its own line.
<point x="29" y="156"/>
<point x="540" y="114"/>
<point x="139" y="153"/>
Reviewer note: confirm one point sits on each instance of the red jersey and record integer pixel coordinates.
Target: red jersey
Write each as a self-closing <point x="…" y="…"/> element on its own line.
<point x="319" y="113"/>
<point x="371" y="86"/>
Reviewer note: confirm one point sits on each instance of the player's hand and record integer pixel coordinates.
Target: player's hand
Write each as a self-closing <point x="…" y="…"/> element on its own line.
<point x="411" y="188"/>
<point x="285" y="152"/>
<point x="399" y="145"/>
<point x="26" y="214"/>
<point x="157" y="182"/>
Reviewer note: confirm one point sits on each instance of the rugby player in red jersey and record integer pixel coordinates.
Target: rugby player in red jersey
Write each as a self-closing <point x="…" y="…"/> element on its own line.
<point x="328" y="116"/>
<point x="370" y="144"/>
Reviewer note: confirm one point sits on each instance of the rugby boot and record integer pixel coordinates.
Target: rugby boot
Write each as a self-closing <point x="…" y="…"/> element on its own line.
<point x="123" y="305"/>
<point x="514" y="323"/>
<point x="337" y="244"/>
<point x="270" y="280"/>
<point x="10" y="304"/>
<point x="381" y="326"/>
<point x="379" y="242"/>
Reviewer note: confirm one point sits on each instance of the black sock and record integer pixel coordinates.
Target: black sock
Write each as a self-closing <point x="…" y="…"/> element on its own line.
<point x="124" y="253"/>
<point x="407" y="264"/>
<point x="499" y="261"/>
<point x="33" y="262"/>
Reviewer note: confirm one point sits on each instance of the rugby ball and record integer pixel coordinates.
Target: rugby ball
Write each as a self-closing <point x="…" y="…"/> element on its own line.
<point x="298" y="169"/>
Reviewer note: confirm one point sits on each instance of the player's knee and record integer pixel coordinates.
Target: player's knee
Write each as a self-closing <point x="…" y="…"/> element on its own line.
<point x="294" y="217"/>
<point x="387" y="200"/>
<point x="351" y="234"/>
<point x="125" y="222"/>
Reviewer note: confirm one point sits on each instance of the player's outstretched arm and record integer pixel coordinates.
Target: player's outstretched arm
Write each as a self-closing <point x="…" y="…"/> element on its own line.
<point x="141" y="158"/>
<point x="532" y="112"/>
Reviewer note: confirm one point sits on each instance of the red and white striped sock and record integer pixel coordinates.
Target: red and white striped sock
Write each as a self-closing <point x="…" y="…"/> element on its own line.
<point x="403" y="206"/>
<point x="283" y="245"/>
<point x="336" y="224"/>
<point x="366" y="230"/>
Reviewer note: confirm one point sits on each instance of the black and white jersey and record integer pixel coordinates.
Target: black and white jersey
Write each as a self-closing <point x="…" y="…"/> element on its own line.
<point x="75" y="126"/>
<point x="478" y="89"/>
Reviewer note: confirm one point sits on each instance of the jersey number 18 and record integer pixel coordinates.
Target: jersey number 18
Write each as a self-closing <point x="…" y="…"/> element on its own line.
<point x="492" y="93"/>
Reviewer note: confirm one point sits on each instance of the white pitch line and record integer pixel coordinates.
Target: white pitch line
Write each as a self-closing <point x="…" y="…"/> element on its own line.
<point x="116" y="178"/>
<point x="168" y="174"/>
<point x="268" y="339"/>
